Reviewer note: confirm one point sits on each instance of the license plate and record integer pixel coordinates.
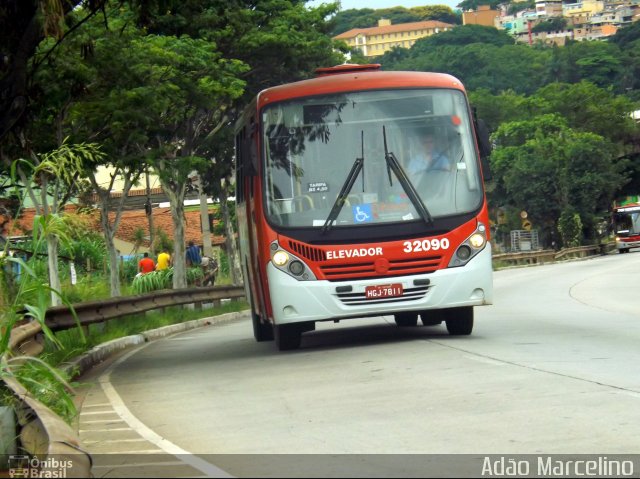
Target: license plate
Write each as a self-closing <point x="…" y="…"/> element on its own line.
<point x="383" y="291"/>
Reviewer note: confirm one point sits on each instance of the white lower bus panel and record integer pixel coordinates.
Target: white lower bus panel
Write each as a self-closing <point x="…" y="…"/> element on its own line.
<point x="295" y="301"/>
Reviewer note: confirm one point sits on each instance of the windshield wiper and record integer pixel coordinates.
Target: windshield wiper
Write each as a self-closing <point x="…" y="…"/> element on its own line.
<point x="407" y="186"/>
<point x="357" y="167"/>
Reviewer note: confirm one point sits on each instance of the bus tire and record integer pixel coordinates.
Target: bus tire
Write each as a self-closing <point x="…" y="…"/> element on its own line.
<point x="405" y="320"/>
<point x="288" y="336"/>
<point x="459" y="320"/>
<point x="432" y="317"/>
<point x="261" y="331"/>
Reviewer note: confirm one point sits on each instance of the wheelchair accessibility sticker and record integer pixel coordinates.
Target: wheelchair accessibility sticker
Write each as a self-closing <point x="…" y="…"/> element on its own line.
<point x="362" y="213"/>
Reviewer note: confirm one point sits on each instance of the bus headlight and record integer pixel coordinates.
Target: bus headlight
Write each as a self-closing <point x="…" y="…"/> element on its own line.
<point x="280" y="258"/>
<point x="290" y="264"/>
<point x="477" y="240"/>
<point x="464" y="252"/>
<point x="470" y="247"/>
<point x="296" y="268"/>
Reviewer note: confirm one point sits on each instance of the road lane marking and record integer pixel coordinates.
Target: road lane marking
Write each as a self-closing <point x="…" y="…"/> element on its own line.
<point x="534" y="367"/>
<point x="139" y="427"/>
<point x="106" y="430"/>
<point x="104" y="421"/>
<point x="485" y="360"/>
<point x="105" y="441"/>
<point x="94" y="413"/>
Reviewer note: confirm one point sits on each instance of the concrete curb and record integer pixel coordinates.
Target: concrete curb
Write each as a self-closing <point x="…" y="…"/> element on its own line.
<point x="99" y="353"/>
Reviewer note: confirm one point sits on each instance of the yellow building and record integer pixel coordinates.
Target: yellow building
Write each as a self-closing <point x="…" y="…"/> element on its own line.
<point x="581" y="10"/>
<point x="375" y="41"/>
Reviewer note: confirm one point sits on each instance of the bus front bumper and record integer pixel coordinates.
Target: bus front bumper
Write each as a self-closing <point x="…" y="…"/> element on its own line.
<point x="297" y="301"/>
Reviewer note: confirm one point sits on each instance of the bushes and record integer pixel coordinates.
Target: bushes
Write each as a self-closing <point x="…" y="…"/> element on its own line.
<point x="153" y="281"/>
<point x="157" y="280"/>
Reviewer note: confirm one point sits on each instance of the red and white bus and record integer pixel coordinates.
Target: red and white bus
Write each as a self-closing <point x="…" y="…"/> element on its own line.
<point x="334" y="222"/>
<point x="626" y="222"/>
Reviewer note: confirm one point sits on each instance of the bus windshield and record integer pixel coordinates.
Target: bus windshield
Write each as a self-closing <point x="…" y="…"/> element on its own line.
<point x="627" y="223"/>
<point x="311" y="145"/>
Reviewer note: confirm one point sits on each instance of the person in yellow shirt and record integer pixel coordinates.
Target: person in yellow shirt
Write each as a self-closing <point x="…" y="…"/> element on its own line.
<point x="164" y="261"/>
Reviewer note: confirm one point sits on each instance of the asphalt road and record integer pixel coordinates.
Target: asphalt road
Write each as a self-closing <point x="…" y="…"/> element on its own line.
<point x="553" y="367"/>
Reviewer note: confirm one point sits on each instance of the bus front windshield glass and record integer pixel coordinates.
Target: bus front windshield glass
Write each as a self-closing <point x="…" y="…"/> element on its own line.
<point x="628" y="223"/>
<point x="311" y="146"/>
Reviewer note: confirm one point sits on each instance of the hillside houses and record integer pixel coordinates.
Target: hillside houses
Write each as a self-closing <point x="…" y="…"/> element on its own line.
<point x="585" y="20"/>
<point x="557" y="21"/>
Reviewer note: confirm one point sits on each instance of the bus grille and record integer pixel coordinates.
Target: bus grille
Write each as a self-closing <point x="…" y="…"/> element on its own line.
<point x="426" y="264"/>
<point x="314" y="254"/>
<point x="409" y="294"/>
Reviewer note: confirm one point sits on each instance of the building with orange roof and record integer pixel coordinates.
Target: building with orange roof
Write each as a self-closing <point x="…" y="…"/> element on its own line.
<point x="376" y="41"/>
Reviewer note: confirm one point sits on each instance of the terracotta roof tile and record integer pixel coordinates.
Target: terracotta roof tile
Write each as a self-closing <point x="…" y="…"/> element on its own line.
<point x="130" y="222"/>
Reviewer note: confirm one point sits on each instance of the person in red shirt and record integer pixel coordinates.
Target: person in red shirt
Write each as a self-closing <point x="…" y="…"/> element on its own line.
<point x="146" y="264"/>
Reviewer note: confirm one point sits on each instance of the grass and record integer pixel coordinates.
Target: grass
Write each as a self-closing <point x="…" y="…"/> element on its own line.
<point x="73" y="346"/>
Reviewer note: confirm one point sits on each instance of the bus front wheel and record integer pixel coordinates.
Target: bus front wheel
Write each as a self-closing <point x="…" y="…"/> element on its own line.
<point x="459" y="320"/>
<point x="289" y="336"/>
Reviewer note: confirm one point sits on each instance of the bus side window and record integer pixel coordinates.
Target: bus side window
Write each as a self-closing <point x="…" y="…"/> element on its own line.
<point x="253" y="148"/>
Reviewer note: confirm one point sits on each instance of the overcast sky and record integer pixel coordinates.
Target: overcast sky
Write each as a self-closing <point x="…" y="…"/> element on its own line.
<point x="348" y="4"/>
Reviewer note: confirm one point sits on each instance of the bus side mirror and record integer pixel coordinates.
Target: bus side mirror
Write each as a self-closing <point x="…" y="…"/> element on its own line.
<point x="484" y="145"/>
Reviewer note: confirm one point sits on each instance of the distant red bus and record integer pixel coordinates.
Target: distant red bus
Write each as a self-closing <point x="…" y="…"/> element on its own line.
<point x="626" y="221"/>
<point x="346" y="209"/>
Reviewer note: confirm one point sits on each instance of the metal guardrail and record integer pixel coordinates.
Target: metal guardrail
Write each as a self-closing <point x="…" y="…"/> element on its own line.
<point x="42" y="432"/>
<point x="59" y="318"/>
<point x="551" y="256"/>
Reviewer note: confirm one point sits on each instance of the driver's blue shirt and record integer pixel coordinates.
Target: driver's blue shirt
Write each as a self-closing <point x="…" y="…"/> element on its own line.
<point x="420" y="164"/>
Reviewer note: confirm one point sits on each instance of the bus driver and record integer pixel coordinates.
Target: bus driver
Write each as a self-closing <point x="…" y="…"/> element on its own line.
<point x="428" y="157"/>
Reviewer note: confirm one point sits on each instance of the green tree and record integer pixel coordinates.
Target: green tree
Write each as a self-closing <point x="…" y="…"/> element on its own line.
<point x="478" y="65"/>
<point x="191" y="85"/>
<point x="586" y="107"/>
<point x="24" y="25"/>
<point x="346" y="20"/>
<point x="442" y="13"/>
<point x="551" y="25"/>
<point x="544" y="167"/>
<point x="474" y="4"/>
<point x="48" y="180"/>
<point x="570" y="227"/>
<point x="279" y="42"/>
<point x="84" y="93"/>
<point x="465" y="35"/>
<point x="514" y="7"/>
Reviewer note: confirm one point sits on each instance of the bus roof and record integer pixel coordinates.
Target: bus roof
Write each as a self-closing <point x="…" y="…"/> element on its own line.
<point x="357" y="81"/>
<point x="627" y="208"/>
